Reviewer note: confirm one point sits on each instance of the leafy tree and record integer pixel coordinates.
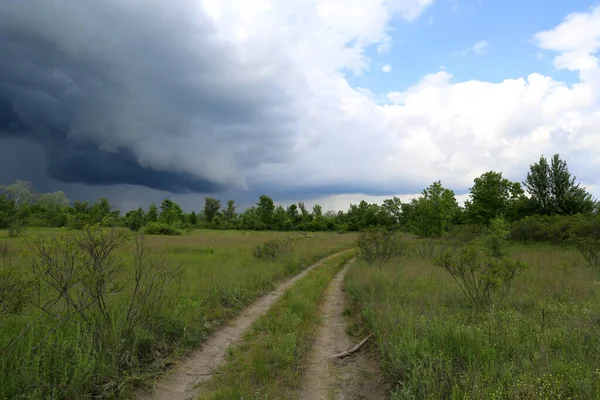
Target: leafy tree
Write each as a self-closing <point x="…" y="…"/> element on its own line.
<point x="430" y="214"/>
<point x="303" y="211"/>
<point x="281" y="220"/>
<point x="192" y="218"/>
<point x="554" y="191"/>
<point x="20" y="192"/>
<point x="265" y="208"/>
<point x="491" y="196"/>
<point x="53" y="201"/>
<point x="135" y="219"/>
<point x="152" y="215"/>
<point x="100" y="210"/>
<point x="170" y="213"/>
<point x="392" y="211"/>
<point x="293" y="214"/>
<point x="229" y="214"/>
<point x="212" y="207"/>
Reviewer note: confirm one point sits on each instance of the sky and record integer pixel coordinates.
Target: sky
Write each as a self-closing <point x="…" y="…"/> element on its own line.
<point x="327" y="101"/>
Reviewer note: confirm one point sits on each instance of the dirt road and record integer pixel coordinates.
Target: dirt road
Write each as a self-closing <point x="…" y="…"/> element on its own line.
<point x="180" y="382"/>
<point x="351" y="378"/>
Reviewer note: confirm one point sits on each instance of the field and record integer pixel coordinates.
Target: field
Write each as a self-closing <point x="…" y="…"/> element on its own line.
<point x="429" y="340"/>
<point x="541" y="343"/>
<point x="46" y="356"/>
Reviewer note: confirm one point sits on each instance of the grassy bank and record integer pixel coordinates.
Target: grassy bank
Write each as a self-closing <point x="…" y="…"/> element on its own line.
<point x="267" y="363"/>
<point x="45" y="356"/>
<point x="541" y="344"/>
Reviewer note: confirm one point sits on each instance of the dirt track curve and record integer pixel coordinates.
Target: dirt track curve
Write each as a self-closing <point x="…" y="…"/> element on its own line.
<point x="351" y="378"/>
<point x="179" y="383"/>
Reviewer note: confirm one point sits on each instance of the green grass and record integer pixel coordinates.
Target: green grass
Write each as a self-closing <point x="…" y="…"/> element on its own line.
<point x="267" y="365"/>
<point x="215" y="286"/>
<point x="541" y="344"/>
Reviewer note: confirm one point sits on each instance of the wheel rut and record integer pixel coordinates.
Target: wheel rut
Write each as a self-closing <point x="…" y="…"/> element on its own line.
<point x="180" y="382"/>
<point x="351" y="378"/>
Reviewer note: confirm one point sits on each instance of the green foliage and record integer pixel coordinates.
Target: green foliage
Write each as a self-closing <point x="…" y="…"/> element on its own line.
<point x="589" y="247"/>
<point x="212" y="208"/>
<point x="554" y="191"/>
<point x="15" y="289"/>
<point x="159" y="228"/>
<point x="379" y="245"/>
<point x="171" y="214"/>
<point x="275" y="249"/>
<point x="496" y="239"/>
<point x="135" y="220"/>
<point x="485" y="275"/>
<point x="539" y="345"/>
<point x="555" y="229"/>
<point x="492" y="196"/>
<point x="430" y="215"/>
<point x="265" y="208"/>
<point x="15" y="229"/>
<point x="152" y="215"/>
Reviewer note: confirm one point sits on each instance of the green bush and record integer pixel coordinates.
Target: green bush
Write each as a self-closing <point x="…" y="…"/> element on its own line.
<point x="380" y="245"/>
<point x="275" y="249"/>
<point x="589" y="248"/>
<point x="15" y="229"/>
<point x="485" y="280"/>
<point x="555" y="229"/>
<point x="160" y="228"/>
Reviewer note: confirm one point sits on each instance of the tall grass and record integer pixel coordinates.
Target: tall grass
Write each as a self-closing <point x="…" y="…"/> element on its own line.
<point x="541" y="344"/>
<point x="267" y="365"/>
<point x="67" y="360"/>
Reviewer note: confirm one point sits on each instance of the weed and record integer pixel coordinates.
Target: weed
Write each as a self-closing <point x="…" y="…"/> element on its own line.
<point x="589" y="248"/>
<point x="380" y="245"/>
<point x="484" y="280"/>
<point x="275" y="249"/>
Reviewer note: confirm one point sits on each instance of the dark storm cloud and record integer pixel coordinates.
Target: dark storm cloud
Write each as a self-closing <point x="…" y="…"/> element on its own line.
<point x="141" y="93"/>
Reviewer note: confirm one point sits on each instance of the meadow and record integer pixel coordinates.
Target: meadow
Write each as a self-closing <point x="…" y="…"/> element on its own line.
<point x="59" y="353"/>
<point x="540" y="343"/>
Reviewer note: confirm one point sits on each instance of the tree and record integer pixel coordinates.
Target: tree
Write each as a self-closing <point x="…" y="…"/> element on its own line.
<point x="229" y="212"/>
<point x="492" y="196"/>
<point x="20" y="192"/>
<point x="152" y="215"/>
<point x="554" y="191"/>
<point x="53" y="201"/>
<point x="430" y="214"/>
<point x="170" y="213"/>
<point x="265" y="209"/>
<point x="134" y="220"/>
<point x="212" y="207"/>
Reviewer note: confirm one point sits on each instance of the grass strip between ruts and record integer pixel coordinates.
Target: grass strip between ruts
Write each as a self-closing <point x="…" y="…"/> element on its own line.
<point x="268" y="363"/>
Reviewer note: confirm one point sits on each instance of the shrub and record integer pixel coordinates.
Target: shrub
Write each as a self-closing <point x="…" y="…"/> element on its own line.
<point x="465" y="234"/>
<point x="497" y="238"/>
<point x="275" y="249"/>
<point x="380" y="245"/>
<point x="15" y="229"/>
<point x="556" y="229"/>
<point x="427" y="248"/>
<point x="590" y="250"/>
<point x="159" y="228"/>
<point x="484" y="279"/>
<point x="15" y="289"/>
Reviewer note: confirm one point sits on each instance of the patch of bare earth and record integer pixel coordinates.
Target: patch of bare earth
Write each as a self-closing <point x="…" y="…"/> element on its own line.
<point x="180" y="382"/>
<point x="350" y="378"/>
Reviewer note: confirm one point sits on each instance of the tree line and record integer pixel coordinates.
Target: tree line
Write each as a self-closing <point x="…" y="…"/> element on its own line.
<point x="549" y="191"/>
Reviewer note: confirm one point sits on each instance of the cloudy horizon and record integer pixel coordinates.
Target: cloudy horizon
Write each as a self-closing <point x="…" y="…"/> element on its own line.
<point x="305" y="100"/>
